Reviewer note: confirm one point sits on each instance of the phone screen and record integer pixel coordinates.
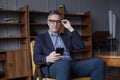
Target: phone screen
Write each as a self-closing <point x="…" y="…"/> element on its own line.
<point x="60" y="50"/>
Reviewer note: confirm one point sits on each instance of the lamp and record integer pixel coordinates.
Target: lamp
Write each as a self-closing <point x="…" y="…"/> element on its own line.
<point x="112" y="31"/>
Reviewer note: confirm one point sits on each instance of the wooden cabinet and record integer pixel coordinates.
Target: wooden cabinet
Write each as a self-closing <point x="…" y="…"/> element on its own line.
<point x="18" y="27"/>
<point x="14" y="44"/>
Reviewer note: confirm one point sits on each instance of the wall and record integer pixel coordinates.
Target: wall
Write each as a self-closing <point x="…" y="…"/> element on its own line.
<point x="99" y="9"/>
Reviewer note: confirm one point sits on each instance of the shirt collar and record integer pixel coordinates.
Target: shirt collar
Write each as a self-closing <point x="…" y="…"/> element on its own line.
<point x="52" y="34"/>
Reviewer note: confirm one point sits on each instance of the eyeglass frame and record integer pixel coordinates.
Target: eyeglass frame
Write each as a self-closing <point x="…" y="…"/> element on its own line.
<point x="55" y="21"/>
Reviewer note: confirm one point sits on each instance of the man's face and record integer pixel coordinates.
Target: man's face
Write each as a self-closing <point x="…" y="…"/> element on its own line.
<point x="54" y="23"/>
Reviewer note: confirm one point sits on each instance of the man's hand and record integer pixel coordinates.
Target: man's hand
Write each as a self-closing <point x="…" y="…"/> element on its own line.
<point x="67" y="25"/>
<point x="53" y="57"/>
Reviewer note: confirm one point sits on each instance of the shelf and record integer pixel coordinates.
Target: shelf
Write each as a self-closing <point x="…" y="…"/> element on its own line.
<point x="13" y="37"/>
<point x="12" y="11"/>
<point x="79" y="25"/>
<point x="3" y="56"/>
<point x="39" y="12"/>
<point x="85" y="36"/>
<point x="39" y="24"/>
<point x="5" y="51"/>
<point x="2" y="51"/>
<point x="73" y="14"/>
<point x="11" y="23"/>
<point x="81" y="14"/>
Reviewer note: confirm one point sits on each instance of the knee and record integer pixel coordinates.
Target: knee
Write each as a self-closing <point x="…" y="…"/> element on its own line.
<point x="63" y="64"/>
<point x="99" y="62"/>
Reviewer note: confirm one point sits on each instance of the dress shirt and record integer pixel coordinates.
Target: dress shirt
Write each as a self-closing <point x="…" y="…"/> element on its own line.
<point x="58" y="42"/>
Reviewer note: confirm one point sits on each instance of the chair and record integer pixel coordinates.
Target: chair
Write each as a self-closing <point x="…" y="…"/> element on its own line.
<point x="36" y="69"/>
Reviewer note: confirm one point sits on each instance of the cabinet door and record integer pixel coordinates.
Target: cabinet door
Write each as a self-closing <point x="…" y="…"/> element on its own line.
<point x="17" y="64"/>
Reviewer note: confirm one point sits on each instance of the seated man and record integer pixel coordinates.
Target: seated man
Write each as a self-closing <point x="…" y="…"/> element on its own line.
<point x="62" y="66"/>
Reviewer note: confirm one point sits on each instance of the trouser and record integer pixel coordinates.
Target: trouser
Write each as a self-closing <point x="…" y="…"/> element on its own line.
<point x="66" y="70"/>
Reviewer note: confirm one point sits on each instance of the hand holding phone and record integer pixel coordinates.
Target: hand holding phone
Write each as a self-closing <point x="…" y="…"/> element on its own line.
<point x="60" y="50"/>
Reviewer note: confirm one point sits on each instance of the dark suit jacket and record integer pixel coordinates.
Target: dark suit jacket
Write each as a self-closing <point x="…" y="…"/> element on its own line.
<point x="43" y="47"/>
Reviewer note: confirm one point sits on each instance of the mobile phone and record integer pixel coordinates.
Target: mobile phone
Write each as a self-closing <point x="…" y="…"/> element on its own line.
<point x="60" y="50"/>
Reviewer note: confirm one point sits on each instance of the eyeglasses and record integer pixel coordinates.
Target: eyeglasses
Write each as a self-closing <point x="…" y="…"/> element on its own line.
<point x="55" y="21"/>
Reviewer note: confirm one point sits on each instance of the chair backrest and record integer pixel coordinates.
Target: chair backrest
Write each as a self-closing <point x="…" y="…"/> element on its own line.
<point x="31" y="49"/>
<point x="35" y="77"/>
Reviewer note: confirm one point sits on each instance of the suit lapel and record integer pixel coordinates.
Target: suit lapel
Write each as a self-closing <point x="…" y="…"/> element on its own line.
<point x="65" y="40"/>
<point x="49" y="41"/>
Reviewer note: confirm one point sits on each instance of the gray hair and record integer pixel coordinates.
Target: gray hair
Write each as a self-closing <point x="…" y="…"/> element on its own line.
<point x="52" y="12"/>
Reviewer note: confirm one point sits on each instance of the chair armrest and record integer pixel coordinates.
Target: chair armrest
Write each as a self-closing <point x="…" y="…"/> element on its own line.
<point x="39" y="63"/>
<point x="37" y="72"/>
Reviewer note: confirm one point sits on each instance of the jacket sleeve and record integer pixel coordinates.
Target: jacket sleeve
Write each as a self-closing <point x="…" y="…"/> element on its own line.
<point x="77" y="42"/>
<point x="38" y="53"/>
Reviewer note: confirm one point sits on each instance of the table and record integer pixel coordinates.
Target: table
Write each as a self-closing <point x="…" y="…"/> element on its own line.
<point x="112" y="59"/>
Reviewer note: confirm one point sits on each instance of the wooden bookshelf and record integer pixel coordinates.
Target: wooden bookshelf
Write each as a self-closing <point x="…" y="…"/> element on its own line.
<point x="14" y="44"/>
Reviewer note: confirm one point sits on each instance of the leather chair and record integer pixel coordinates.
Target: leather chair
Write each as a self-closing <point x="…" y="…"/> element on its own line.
<point x="37" y="72"/>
